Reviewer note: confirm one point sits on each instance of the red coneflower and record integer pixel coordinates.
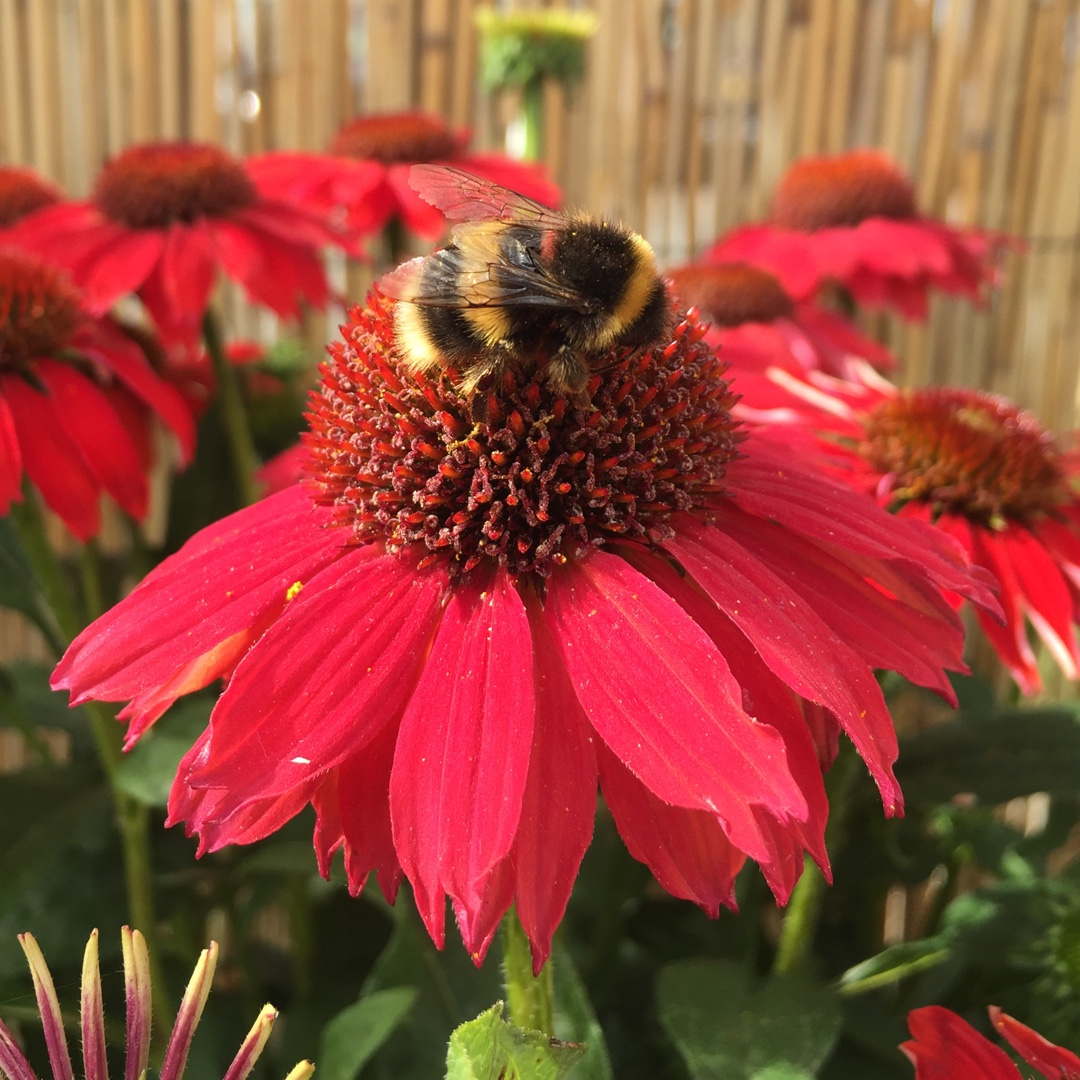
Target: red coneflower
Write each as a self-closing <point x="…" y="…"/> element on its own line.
<point x="367" y="172"/>
<point x="76" y="399"/>
<point x="972" y="463"/>
<point x="454" y="631"/>
<point x="758" y="325"/>
<point x="852" y="218"/>
<point x="164" y="218"/>
<point x="23" y="191"/>
<point x="946" y="1047"/>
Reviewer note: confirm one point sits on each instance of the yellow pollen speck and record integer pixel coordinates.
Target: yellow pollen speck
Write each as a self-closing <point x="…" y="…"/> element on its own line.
<point x="293" y="590"/>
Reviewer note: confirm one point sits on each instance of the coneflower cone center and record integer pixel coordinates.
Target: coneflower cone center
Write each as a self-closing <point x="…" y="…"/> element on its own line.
<point x="965" y="452"/>
<point x="842" y="190"/>
<point x="730" y="294"/>
<point x="159" y="184"/>
<point x="395" y="137"/>
<point x="22" y="192"/>
<point x="39" y="308"/>
<point x="400" y="459"/>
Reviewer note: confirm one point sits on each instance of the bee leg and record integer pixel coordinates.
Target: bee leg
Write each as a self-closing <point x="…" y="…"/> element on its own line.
<point x="568" y="374"/>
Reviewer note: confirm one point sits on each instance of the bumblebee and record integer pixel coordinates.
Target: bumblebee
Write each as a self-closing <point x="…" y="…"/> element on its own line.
<point x="521" y="284"/>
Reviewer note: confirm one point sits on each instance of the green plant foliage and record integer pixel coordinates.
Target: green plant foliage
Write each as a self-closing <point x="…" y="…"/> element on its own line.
<point x="488" y="1048"/>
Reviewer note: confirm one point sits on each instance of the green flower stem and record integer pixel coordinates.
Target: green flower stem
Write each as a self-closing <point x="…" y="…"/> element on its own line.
<point x="395" y="241"/>
<point x="804" y="908"/>
<point x="532" y="115"/>
<point x="132" y="818"/>
<point x="531" y="999"/>
<point x="233" y="414"/>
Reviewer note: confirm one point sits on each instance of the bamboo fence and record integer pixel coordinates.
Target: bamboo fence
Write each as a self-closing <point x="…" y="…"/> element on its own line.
<point x="690" y="111"/>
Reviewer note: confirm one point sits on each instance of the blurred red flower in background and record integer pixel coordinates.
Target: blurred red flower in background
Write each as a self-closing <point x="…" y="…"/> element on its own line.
<point x="976" y="466"/>
<point x="757" y="325"/>
<point x="853" y="219"/>
<point x="164" y="218"/>
<point x="454" y="631"/>
<point x="366" y="172"/>
<point x="21" y="192"/>
<point x="76" y="400"/>
<point x="945" y="1047"/>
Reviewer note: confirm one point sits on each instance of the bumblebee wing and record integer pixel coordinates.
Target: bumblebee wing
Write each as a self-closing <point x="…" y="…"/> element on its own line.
<point x="464" y="197"/>
<point x="486" y="266"/>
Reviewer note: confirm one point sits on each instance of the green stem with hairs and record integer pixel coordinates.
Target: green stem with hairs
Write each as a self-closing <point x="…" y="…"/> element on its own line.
<point x="532" y="115"/>
<point x="803" y="910"/>
<point x="234" y="416"/>
<point x="132" y="817"/>
<point x="530" y="998"/>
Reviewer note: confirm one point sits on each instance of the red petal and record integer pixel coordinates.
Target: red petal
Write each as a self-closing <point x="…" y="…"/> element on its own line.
<point x="227" y="578"/>
<point x="767" y="483"/>
<point x="947" y="1048"/>
<point x="177" y="293"/>
<point x="88" y="419"/>
<point x="364" y="806"/>
<point x="51" y="459"/>
<point x="560" y="798"/>
<point x="793" y="642"/>
<point x="11" y="464"/>
<point x="479" y="921"/>
<point x="119" y="266"/>
<point x="1054" y="1062"/>
<point x="418" y="215"/>
<point x="913" y="633"/>
<point x="770" y="701"/>
<point x="660" y="694"/>
<point x="332" y="670"/>
<point x="463" y="750"/>
<point x="686" y="850"/>
<point x="120" y="355"/>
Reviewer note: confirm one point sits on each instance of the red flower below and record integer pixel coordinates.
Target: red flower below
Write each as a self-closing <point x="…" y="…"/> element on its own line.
<point x="973" y="464"/>
<point x="23" y="191"/>
<point x="454" y="632"/>
<point x="76" y="400"/>
<point x="164" y="218"/>
<point x="852" y="219"/>
<point x="757" y="325"/>
<point x="945" y="1047"/>
<point x="367" y="172"/>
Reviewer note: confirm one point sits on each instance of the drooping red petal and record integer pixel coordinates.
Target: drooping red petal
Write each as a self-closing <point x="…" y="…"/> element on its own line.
<point x="559" y="804"/>
<point x="479" y="921"/>
<point x="659" y="693"/>
<point x="794" y="642"/>
<point x="336" y="666"/>
<point x="418" y="215"/>
<point x="686" y="850"/>
<point x="51" y="459"/>
<point x="177" y="292"/>
<point x="224" y="580"/>
<point x="945" y="1047"/>
<point x="88" y="419"/>
<point x="463" y="751"/>
<point x="119" y="354"/>
<point x="1054" y="1062"/>
<point x="913" y="633"/>
<point x="11" y="463"/>
<point x="771" y="701"/>
<point x="364" y="806"/>
<point x="118" y="266"/>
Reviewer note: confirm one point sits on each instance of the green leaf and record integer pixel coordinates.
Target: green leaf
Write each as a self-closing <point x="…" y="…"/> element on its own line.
<point x="893" y="964"/>
<point x="727" y="1030"/>
<point x="20" y="588"/>
<point x="996" y="758"/>
<point x="147" y="771"/>
<point x="350" y="1039"/>
<point x="575" y="1020"/>
<point x="489" y="1048"/>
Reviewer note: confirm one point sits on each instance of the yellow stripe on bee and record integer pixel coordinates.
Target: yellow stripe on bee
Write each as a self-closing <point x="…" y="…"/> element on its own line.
<point x="638" y="287"/>
<point x="492" y="324"/>
<point x="413" y="342"/>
